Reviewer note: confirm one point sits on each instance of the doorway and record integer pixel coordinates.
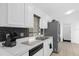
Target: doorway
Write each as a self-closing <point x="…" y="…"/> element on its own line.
<point x="67" y="32"/>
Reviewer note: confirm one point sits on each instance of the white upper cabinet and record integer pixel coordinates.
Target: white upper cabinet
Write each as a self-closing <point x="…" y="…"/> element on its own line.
<point x="37" y="12"/>
<point x="16" y="14"/>
<point x="30" y="11"/>
<point x="44" y="21"/>
<point x="43" y="17"/>
<point x="21" y="15"/>
<point x="29" y="16"/>
<point x="3" y="14"/>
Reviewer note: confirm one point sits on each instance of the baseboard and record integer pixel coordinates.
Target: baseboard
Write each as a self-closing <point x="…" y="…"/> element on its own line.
<point x="75" y="42"/>
<point x="66" y="40"/>
<point x="55" y="52"/>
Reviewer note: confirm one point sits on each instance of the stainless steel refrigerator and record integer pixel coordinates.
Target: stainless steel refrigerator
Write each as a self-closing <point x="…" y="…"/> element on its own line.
<point x="54" y="30"/>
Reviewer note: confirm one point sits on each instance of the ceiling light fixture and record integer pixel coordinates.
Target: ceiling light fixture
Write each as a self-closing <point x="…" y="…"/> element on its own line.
<point x="69" y="12"/>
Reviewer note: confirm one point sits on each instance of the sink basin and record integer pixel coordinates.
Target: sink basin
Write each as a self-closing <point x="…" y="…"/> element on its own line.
<point x="42" y="38"/>
<point x="30" y="43"/>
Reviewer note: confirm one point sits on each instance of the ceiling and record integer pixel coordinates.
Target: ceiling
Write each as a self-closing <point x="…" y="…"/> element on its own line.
<point x="57" y="10"/>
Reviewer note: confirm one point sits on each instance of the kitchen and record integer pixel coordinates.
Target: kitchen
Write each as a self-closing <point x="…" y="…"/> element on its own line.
<point x="23" y="31"/>
<point x="42" y="28"/>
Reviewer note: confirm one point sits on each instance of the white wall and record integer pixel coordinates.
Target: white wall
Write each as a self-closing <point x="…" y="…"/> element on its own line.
<point x="57" y="12"/>
<point x="75" y="32"/>
<point x="73" y="20"/>
<point x="61" y="31"/>
<point x="67" y="31"/>
<point x="74" y="27"/>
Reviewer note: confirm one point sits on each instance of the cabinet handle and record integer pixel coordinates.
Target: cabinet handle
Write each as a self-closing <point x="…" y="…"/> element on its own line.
<point x="50" y="45"/>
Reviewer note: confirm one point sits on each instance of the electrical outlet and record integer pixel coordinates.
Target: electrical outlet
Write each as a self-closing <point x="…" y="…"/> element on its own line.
<point x="7" y="35"/>
<point x="21" y="34"/>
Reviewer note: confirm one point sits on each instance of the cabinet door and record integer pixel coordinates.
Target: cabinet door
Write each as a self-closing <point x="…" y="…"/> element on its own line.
<point x="43" y="21"/>
<point x="46" y="48"/>
<point x="39" y="53"/>
<point x="28" y="16"/>
<point x="16" y="14"/>
<point x="3" y="14"/>
<point x="50" y="42"/>
<point x="26" y="54"/>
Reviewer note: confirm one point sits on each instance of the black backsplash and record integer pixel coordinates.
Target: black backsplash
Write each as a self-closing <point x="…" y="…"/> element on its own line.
<point x="17" y="30"/>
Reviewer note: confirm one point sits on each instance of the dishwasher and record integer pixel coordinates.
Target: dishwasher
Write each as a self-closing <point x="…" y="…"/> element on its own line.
<point x="36" y="51"/>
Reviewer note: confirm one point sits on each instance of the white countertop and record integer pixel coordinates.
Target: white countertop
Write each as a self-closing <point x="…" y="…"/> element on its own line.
<point x="19" y="49"/>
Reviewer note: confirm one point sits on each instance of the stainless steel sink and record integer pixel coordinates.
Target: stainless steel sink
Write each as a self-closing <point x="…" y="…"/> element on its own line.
<point x="38" y="39"/>
<point x="30" y="43"/>
<point x="42" y="38"/>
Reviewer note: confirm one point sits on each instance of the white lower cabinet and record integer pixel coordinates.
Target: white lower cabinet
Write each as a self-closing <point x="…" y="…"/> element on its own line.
<point x="45" y="51"/>
<point x="39" y="53"/>
<point x="48" y="47"/>
<point x="26" y="54"/>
